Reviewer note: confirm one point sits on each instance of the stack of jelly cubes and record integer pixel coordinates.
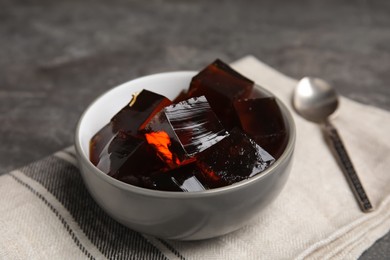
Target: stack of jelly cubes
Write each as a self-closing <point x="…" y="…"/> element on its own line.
<point x="222" y="131"/>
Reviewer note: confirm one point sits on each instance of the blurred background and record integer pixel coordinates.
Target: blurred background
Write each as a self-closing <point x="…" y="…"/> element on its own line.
<point x="57" y="56"/>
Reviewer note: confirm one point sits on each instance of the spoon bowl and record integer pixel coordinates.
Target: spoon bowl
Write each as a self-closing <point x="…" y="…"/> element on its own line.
<point x="315" y="100"/>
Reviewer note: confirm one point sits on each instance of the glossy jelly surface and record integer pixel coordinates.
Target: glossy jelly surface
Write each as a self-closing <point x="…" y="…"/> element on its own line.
<point x="222" y="131"/>
<point x="191" y="123"/>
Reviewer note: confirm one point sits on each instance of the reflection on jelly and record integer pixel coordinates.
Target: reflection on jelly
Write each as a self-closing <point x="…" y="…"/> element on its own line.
<point x="162" y="142"/>
<point x="191" y="126"/>
<point x="99" y="142"/>
<point x="183" y="178"/>
<point x="235" y="158"/>
<point x="195" y="124"/>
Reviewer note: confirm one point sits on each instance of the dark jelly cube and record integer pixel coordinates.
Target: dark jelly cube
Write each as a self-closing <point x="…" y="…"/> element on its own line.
<point x="195" y="124"/>
<point x="235" y="158"/>
<point x="138" y="112"/>
<point x="128" y="120"/>
<point x="221" y="85"/>
<point x="263" y="121"/>
<point x="182" y="130"/>
<point x="128" y="157"/>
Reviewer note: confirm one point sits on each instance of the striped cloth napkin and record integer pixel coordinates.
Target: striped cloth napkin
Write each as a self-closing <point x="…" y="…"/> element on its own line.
<point x="47" y="213"/>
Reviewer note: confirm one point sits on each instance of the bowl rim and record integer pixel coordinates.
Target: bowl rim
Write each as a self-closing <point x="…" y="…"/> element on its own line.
<point x="83" y="159"/>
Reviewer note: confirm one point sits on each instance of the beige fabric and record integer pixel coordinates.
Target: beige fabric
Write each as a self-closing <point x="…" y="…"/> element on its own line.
<point x="30" y="229"/>
<point x="316" y="216"/>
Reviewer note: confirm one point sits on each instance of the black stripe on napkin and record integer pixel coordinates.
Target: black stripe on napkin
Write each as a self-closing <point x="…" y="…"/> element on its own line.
<point x="115" y="241"/>
<point x="55" y="211"/>
<point x="173" y="250"/>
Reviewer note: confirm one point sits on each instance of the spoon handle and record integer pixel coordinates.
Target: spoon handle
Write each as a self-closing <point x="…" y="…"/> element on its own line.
<point x="348" y="169"/>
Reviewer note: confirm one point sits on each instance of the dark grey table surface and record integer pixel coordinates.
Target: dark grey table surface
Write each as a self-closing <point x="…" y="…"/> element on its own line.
<point x="57" y="56"/>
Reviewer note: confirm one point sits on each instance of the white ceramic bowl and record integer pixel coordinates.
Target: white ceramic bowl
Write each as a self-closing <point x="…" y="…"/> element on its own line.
<point x="174" y="215"/>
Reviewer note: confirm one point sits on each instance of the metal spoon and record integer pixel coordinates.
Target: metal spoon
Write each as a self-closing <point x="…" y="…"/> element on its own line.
<point x="316" y="100"/>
